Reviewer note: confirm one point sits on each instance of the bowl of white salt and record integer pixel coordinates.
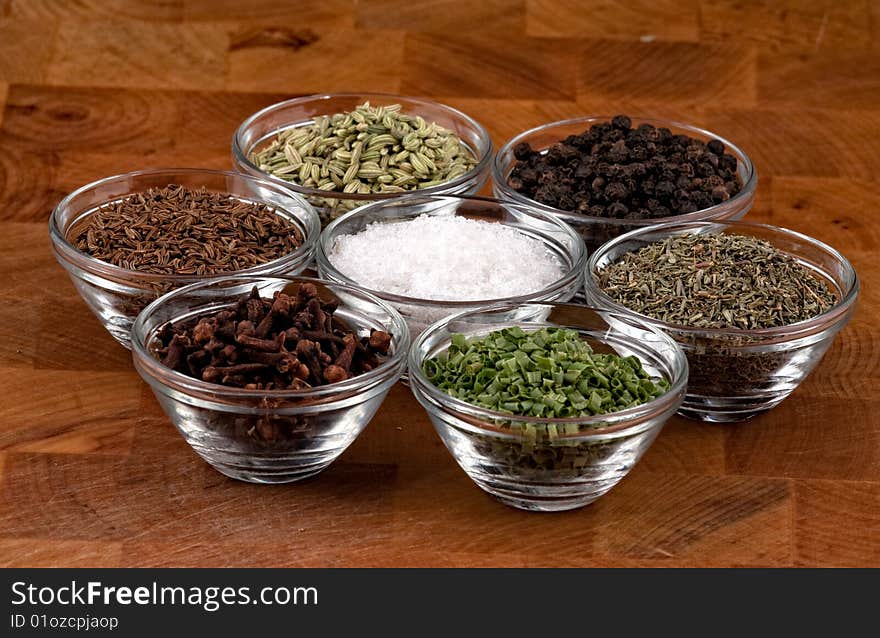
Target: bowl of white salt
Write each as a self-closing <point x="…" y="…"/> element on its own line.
<point x="433" y="256"/>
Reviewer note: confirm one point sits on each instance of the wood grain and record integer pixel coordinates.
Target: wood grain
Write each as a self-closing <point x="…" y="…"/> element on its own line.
<point x="644" y="20"/>
<point x="296" y="60"/>
<point x="92" y="473"/>
<point x="442" y="16"/>
<point x="837" y="523"/>
<point x="690" y="73"/>
<point x="139" y="55"/>
<point x="25" y="49"/>
<point x="789" y="25"/>
<point x="507" y="65"/>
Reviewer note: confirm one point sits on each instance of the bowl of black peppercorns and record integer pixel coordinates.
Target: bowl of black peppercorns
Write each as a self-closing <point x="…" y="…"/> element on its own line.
<point x="608" y="175"/>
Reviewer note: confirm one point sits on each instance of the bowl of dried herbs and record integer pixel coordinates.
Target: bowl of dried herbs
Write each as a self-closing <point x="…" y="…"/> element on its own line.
<point x="546" y="406"/>
<point x="755" y="307"/>
<point x="127" y="239"/>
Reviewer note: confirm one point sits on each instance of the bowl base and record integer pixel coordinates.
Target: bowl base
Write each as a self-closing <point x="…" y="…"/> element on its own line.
<point x="266" y="477"/>
<point x="544" y="505"/>
<point x="547" y="497"/>
<point x="728" y="409"/>
<point x="268" y="470"/>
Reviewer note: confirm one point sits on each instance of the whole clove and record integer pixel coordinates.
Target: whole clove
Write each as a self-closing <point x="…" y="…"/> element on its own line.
<point x="282" y="343"/>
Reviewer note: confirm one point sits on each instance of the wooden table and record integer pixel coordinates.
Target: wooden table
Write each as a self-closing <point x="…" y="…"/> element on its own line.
<point x="94" y="474"/>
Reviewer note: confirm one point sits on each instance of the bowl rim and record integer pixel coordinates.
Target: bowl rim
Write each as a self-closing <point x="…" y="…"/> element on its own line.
<point x="571" y="274"/>
<point x="311" y="225"/>
<point x="791" y="331"/>
<point x="178" y="381"/>
<point x="612" y="422"/>
<point x="242" y="161"/>
<point x="741" y="199"/>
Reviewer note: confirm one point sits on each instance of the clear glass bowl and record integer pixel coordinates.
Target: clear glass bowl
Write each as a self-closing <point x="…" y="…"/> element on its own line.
<point x="542" y="471"/>
<point x="738" y="374"/>
<point x="262" y="127"/>
<point x="116" y="295"/>
<point x="559" y="238"/>
<point x="268" y="436"/>
<point x="597" y="230"/>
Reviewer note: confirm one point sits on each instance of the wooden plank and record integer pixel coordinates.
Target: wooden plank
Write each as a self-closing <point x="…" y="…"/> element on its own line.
<point x="803" y="142"/>
<point x="442" y="16"/>
<point x="27" y="552"/>
<point x="25" y="49"/>
<point x="142" y="10"/>
<point x="788" y="25"/>
<point x="673" y="72"/>
<point x="166" y="55"/>
<point x="644" y="20"/>
<point x="75" y="412"/>
<point x="93" y="473"/>
<point x="329" y="13"/>
<point x="505" y="66"/>
<point x="837" y="523"/>
<point x="295" y="59"/>
<point x="812" y="440"/>
<point x="836" y="78"/>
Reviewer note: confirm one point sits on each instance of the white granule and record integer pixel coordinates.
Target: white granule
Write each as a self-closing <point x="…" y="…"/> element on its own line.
<point x="446" y="259"/>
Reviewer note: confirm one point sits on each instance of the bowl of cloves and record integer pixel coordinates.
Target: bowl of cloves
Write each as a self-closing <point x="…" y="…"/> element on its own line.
<point x="272" y="384"/>
<point x="606" y="176"/>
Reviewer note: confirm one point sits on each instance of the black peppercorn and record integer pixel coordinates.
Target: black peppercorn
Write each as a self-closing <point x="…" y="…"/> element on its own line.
<point x="614" y="170"/>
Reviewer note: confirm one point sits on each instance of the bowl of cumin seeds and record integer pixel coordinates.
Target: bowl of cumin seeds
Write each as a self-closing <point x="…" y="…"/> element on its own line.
<point x="128" y="239"/>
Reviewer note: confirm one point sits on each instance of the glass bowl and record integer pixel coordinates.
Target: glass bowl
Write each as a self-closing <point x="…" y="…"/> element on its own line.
<point x="522" y="461"/>
<point x="268" y="436"/>
<point x="597" y="230"/>
<point x="116" y="295"/>
<point x="738" y="374"/>
<point x="261" y="127"/>
<point x="560" y="239"/>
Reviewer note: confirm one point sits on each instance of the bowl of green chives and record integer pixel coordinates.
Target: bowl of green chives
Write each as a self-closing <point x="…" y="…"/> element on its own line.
<point x="546" y="406"/>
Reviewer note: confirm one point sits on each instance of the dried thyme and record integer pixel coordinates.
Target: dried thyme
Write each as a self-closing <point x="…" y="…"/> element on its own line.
<point x="716" y="281"/>
<point x="368" y="150"/>
<point x="180" y="231"/>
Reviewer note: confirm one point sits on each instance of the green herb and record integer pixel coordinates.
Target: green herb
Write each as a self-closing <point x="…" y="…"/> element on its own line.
<point x="549" y="373"/>
<point x="369" y="150"/>
<point x="721" y="281"/>
<point x="716" y="281"/>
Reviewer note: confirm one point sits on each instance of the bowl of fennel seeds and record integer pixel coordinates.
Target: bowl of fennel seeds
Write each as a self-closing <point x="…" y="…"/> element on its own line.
<point x="754" y="307"/>
<point x="345" y="150"/>
<point x="128" y="239"/>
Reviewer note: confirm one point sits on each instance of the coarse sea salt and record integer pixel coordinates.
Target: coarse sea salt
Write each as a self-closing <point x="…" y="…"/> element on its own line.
<point x="446" y="258"/>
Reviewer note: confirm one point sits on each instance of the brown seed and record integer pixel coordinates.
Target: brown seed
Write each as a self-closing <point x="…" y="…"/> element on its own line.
<point x="219" y="232"/>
